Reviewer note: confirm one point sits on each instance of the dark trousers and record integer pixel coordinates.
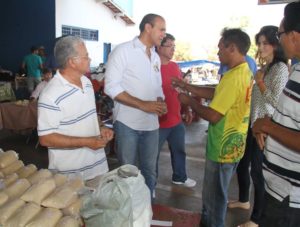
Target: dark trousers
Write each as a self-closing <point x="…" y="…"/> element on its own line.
<point x="254" y="156"/>
<point x="279" y="214"/>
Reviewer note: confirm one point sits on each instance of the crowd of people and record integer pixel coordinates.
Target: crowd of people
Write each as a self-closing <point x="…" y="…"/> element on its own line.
<point x="207" y="74"/>
<point x="231" y="107"/>
<point x="253" y="116"/>
<point x="36" y="68"/>
<point x="272" y="143"/>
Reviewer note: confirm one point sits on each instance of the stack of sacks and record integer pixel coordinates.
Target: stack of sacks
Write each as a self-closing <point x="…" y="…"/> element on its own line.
<point x="35" y="198"/>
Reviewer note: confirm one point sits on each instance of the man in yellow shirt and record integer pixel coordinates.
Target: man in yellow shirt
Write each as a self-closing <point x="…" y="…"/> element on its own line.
<point x="228" y="116"/>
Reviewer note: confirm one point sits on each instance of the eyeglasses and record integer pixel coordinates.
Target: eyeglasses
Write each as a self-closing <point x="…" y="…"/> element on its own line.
<point x="278" y="34"/>
<point x="169" y="46"/>
<point x="84" y="57"/>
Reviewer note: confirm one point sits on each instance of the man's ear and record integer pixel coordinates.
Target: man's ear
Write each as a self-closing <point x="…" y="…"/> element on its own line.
<point x="232" y="48"/>
<point x="72" y="62"/>
<point x="148" y="27"/>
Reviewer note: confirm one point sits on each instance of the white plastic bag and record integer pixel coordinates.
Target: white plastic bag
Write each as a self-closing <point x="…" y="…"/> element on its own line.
<point x="122" y="199"/>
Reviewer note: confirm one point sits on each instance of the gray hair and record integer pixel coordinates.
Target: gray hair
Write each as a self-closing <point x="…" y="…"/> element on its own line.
<point x="65" y="48"/>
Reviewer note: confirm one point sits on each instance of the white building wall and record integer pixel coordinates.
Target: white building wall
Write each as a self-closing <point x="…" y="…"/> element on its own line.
<point x="92" y="14"/>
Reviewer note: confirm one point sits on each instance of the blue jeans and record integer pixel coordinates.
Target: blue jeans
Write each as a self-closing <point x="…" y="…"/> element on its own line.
<point x="217" y="178"/>
<point x="176" y="141"/>
<point x="32" y="82"/>
<point x="139" y="148"/>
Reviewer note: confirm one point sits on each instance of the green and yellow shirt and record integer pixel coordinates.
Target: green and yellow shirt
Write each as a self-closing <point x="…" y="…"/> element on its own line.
<point x="227" y="138"/>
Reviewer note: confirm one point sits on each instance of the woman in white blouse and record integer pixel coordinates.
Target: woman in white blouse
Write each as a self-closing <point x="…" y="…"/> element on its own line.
<point x="269" y="83"/>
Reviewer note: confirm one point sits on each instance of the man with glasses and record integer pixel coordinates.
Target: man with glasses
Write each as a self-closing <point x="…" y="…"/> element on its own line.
<point x="67" y="119"/>
<point x="280" y="136"/>
<point x="171" y="126"/>
<point x="133" y="81"/>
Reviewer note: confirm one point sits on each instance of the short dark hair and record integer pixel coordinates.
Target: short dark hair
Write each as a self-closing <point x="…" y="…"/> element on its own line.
<point x="269" y="32"/>
<point x="237" y="37"/>
<point x="291" y="21"/>
<point x="46" y="70"/>
<point x="148" y="19"/>
<point x="166" y="38"/>
<point x="33" y="48"/>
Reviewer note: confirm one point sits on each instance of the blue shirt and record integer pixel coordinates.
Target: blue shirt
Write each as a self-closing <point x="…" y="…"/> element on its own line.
<point x="33" y="63"/>
<point x="251" y="63"/>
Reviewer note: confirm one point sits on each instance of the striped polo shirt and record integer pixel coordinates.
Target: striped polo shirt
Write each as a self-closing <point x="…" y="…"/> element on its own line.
<point x="281" y="164"/>
<point x="66" y="109"/>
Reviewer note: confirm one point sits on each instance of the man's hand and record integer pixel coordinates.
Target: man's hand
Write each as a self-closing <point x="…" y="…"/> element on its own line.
<point x="31" y="99"/>
<point x="157" y="107"/>
<point x="106" y="133"/>
<point x="259" y="124"/>
<point x="260" y="139"/>
<point x="178" y="83"/>
<point x="184" y="99"/>
<point x="95" y="143"/>
<point x="188" y="116"/>
<point x="62" y="141"/>
<point x="258" y="132"/>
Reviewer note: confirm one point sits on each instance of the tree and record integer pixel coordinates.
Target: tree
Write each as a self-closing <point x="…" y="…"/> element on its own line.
<point x="244" y="24"/>
<point x="183" y="51"/>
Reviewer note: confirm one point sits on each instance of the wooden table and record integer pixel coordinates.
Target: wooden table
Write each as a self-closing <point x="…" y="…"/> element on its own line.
<point x="17" y="116"/>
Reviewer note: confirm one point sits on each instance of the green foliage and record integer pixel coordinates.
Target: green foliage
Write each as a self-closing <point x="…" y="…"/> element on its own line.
<point x="244" y="24"/>
<point x="253" y="49"/>
<point x="239" y="22"/>
<point x="183" y="51"/>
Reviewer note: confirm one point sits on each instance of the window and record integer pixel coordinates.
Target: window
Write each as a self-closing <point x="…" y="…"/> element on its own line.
<point x="84" y="33"/>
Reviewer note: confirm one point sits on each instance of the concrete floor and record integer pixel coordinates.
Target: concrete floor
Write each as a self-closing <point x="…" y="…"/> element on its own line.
<point x="191" y="198"/>
<point x="166" y="193"/>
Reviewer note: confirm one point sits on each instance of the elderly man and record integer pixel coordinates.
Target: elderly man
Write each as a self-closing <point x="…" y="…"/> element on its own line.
<point x="282" y="146"/>
<point x="228" y="116"/>
<point x="133" y="80"/>
<point x="67" y="118"/>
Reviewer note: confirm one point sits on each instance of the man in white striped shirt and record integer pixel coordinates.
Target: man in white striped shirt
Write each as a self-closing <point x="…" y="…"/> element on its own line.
<point x="67" y="119"/>
<point x="282" y="145"/>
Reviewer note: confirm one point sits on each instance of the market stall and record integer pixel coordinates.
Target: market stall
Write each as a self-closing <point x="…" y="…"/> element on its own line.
<point x="6" y="92"/>
<point x="19" y="115"/>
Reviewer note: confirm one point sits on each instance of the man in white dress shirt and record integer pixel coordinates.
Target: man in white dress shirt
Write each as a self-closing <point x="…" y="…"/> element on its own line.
<point x="133" y="80"/>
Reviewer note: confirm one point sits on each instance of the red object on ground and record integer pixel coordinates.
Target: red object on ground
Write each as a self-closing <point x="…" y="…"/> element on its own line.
<point x="180" y="218"/>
